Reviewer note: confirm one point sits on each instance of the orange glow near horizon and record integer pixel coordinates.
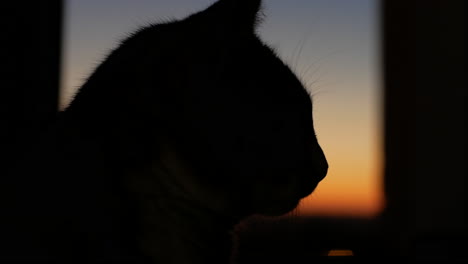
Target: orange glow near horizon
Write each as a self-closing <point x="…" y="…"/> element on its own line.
<point x="332" y="198"/>
<point x="353" y="186"/>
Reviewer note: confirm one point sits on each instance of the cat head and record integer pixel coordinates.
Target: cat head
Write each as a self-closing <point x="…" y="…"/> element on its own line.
<point x="236" y="117"/>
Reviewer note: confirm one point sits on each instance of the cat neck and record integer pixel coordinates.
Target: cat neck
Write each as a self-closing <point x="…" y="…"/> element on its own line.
<point x="176" y="229"/>
<point x="182" y="235"/>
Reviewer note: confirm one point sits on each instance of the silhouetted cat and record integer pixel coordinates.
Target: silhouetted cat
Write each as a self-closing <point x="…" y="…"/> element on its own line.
<point x="184" y="130"/>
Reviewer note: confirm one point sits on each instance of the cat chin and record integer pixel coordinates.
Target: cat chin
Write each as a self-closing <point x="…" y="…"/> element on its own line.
<point x="278" y="208"/>
<point x="304" y="192"/>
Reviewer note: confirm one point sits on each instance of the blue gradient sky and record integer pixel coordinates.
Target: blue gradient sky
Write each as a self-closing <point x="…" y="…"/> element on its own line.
<point x="331" y="44"/>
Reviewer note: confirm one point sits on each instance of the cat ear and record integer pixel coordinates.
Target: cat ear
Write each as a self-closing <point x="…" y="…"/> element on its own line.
<point x="235" y="14"/>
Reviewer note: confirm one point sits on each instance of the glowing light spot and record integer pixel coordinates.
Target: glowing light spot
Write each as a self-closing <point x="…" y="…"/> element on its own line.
<point x="340" y="253"/>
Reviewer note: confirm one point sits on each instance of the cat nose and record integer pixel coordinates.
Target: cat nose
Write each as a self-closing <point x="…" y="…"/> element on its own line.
<point x="321" y="164"/>
<point x="322" y="169"/>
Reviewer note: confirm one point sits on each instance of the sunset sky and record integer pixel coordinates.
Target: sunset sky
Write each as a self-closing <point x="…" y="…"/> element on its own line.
<point x="331" y="44"/>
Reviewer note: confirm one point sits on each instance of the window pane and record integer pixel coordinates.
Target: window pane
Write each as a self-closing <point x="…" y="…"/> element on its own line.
<point x="331" y="44"/>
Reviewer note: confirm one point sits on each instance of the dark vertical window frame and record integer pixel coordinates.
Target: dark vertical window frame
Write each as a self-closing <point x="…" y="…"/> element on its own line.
<point x="425" y="128"/>
<point x="30" y="73"/>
